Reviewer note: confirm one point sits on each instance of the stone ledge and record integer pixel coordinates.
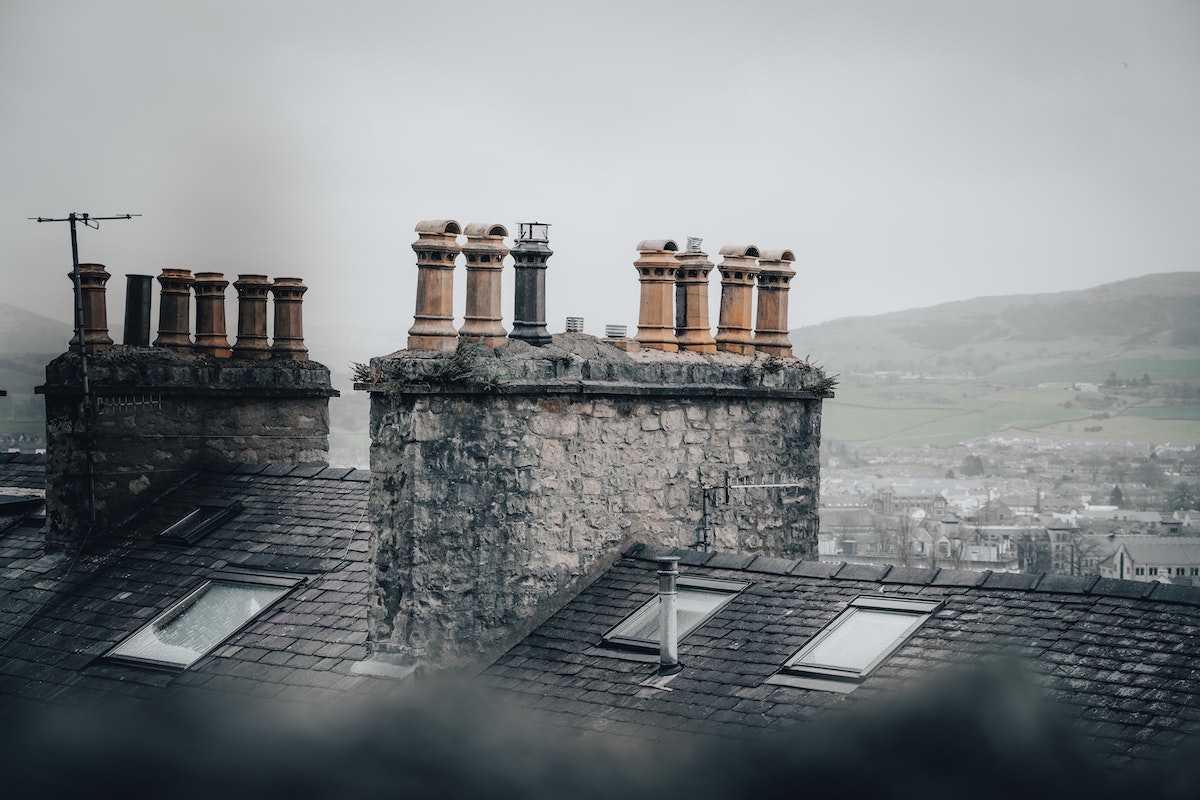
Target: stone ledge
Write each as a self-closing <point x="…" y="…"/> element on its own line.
<point x="133" y="371"/>
<point x="581" y="364"/>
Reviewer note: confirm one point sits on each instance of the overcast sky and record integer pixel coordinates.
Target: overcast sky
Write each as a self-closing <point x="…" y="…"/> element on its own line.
<point x="910" y="153"/>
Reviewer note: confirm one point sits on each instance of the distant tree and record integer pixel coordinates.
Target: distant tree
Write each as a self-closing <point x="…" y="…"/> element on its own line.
<point x="1183" y="496"/>
<point x="1092" y="464"/>
<point x="972" y="465"/>
<point x="1117" y="498"/>
<point x="1150" y="474"/>
<point x="950" y="474"/>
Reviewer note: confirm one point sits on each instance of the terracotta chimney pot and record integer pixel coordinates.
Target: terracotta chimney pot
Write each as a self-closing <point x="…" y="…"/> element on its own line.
<point x="738" y="271"/>
<point x="656" y="266"/>
<point x="174" y="309"/>
<point x="436" y="248"/>
<point x="92" y="278"/>
<point x="484" y="251"/>
<point x="289" y="319"/>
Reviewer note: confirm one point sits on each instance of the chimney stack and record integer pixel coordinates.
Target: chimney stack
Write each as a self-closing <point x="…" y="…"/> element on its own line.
<point x="92" y="278"/>
<point x="175" y="309"/>
<point x="738" y="270"/>
<point x="692" y="330"/>
<point x="252" y="291"/>
<point x="529" y="292"/>
<point x="668" y="616"/>
<point x="656" y="266"/>
<point x="436" y="248"/>
<point x="210" y="315"/>
<point x="485" y="252"/>
<point x="138" y="290"/>
<point x="289" y="321"/>
<point x="771" y="326"/>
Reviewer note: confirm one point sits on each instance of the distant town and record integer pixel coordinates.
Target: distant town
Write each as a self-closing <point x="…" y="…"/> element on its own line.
<point x="1016" y="505"/>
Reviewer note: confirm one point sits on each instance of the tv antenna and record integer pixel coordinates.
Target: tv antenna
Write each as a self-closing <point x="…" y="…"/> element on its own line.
<point x="89" y="402"/>
<point x="719" y="495"/>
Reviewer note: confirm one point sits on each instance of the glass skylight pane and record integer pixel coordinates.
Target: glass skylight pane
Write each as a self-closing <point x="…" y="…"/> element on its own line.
<point x="189" y="630"/>
<point x="693" y="607"/>
<point x="860" y="639"/>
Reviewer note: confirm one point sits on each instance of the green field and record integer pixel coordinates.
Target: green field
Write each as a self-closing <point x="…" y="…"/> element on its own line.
<point x="948" y="413"/>
<point x="1158" y="369"/>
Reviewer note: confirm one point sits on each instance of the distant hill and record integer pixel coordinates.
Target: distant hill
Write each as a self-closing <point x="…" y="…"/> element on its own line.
<point x="1116" y="363"/>
<point x="23" y="332"/>
<point x="1155" y="316"/>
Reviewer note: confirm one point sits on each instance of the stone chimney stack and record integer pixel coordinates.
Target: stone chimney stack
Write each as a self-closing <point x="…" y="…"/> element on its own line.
<point x="210" y="315"/>
<point x="289" y="320"/>
<point x="92" y="278"/>
<point x="436" y="248"/>
<point x="175" y="310"/>
<point x="692" y="329"/>
<point x="155" y="414"/>
<point x="771" y="326"/>
<point x="485" y="252"/>
<point x="738" y="270"/>
<point x="530" y="254"/>
<point x="656" y="266"/>
<point x="252" y="291"/>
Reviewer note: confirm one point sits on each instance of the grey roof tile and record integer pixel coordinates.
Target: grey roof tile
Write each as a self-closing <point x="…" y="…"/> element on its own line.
<point x="959" y="577"/>
<point x="915" y="575"/>
<point x="776" y="566"/>
<point x="1112" y="587"/>
<point x="1175" y="593"/>
<point x="817" y="569"/>
<point x="1010" y="580"/>
<point x="729" y="561"/>
<point x="862" y="572"/>
<point x="1066" y="584"/>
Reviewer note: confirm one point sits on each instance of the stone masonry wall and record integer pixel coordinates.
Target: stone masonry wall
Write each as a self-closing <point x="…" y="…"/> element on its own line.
<point x="161" y="414"/>
<point x="490" y="504"/>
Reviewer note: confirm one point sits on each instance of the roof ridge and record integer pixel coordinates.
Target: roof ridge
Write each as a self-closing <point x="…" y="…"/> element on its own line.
<point x="310" y="471"/>
<point x="1045" y="582"/>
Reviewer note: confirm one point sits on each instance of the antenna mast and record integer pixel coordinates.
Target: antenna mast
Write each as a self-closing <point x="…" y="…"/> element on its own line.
<point x="89" y="402"/>
<point x="719" y="495"/>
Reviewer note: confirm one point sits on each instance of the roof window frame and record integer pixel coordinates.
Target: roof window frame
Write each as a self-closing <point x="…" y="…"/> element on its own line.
<point x="614" y="640"/>
<point x="806" y="674"/>
<point x="227" y="576"/>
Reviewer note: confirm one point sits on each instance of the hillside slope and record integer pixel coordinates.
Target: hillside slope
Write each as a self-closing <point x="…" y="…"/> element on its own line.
<point x="23" y="332"/>
<point x="1155" y="316"/>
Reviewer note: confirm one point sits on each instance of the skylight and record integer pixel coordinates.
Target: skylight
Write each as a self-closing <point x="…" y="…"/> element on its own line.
<point x="203" y="619"/>
<point x="697" y="600"/>
<point x="855" y="643"/>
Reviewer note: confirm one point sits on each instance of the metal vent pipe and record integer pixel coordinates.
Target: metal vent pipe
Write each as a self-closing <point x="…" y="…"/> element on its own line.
<point x="668" y="619"/>
<point x="138" y="291"/>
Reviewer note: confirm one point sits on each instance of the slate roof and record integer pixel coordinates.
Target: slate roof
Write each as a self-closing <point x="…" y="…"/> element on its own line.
<point x="1123" y="658"/>
<point x="22" y="490"/>
<point x="62" y="614"/>
<point x="23" y="470"/>
<point x="1162" y="550"/>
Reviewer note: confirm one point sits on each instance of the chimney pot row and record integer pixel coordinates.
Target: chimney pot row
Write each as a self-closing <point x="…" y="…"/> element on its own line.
<point x="742" y="267"/>
<point x="437" y="248"/>
<point x="174" y="313"/>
